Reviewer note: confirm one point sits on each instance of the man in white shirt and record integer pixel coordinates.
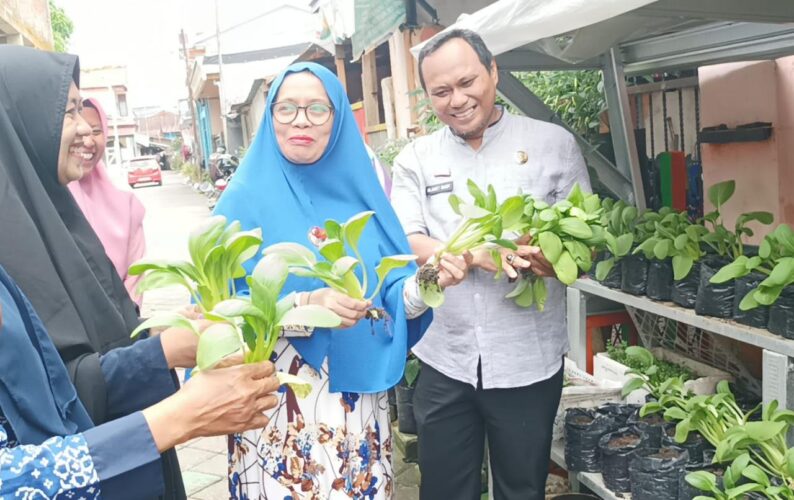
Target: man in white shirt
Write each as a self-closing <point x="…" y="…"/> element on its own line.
<point x="490" y="368"/>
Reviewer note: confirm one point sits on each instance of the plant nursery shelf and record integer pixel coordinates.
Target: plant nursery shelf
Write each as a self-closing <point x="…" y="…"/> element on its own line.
<point x="592" y="480"/>
<point x="725" y="328"/>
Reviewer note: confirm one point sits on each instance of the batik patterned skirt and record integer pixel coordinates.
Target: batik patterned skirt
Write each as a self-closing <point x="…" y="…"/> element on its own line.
<point x="325" y="446"/>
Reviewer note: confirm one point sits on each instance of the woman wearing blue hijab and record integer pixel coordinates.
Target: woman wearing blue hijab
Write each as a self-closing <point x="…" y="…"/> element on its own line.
<point x="308" y="164"/>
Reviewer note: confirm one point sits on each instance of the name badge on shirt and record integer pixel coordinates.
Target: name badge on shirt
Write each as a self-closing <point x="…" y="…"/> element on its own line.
<point x="445" y="187"/>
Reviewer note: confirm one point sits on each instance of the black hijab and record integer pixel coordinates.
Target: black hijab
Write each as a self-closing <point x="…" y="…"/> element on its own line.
<point x="45" y="242"/>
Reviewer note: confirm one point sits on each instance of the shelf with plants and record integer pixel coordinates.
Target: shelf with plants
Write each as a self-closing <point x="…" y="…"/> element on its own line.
<point x="678" y="443"/>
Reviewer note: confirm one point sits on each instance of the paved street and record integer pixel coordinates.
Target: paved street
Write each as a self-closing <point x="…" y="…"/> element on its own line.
<point x="172" y="210"/>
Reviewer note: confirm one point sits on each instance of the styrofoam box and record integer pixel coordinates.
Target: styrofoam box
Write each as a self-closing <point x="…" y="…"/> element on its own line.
<point x="605" y="368"/>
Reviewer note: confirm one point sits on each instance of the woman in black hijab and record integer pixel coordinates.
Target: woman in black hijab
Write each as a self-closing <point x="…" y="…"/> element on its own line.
<point x="56" y="258"/>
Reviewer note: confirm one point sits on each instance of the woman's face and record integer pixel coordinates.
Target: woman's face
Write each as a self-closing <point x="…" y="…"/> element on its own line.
<point x="304" y="139"/>
<point x="73" y="138"/>
<point x="94" y="144"/>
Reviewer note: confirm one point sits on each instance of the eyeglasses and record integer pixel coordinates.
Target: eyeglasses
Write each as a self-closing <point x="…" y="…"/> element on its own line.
<point x="316" y="113"/>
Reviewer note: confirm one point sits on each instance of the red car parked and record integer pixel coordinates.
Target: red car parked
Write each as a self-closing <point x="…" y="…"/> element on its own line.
<point x="144" y="169"/>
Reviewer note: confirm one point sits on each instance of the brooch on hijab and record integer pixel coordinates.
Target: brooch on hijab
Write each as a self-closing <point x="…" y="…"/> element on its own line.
<point x="317" y="236"/>
<point x="521" y="157"/>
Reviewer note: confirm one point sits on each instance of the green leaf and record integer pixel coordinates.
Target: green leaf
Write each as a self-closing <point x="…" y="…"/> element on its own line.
<point x="310" y="315"/>
<point x="203" y="237"/>
<point x="632" y="385"/>
<point x="675" y="413"/>
<point x="680" y="241"/>
<point x="682" y="264"/>
<point x="354" y="227"/>
<point x="490" y="202"/>
<point x="662" y="249"/>
<point x="740" y="491"/>
<point x="782" y="273"/>
<point x="550" y="245"/>
<point x="548" y="215"/>
<point x="332" y="249"/>
<point x="767" y="295"/>
<point x="510" y="245"/>
<point x="293" y="253"/>
<point x="540" y="293"/>
<point x="650" y="408"/>
<point x="591" y="203"/>
<point x="721" y="192"/>
<point x="735" y="269"/>
<point x="753" y="473"/>
<point x="764" y="431"/>
<point x="762" y="217"/>
<point x="476" y="193"/>
<point x="454" y="202"/>
<point x="389" y="264"/>
<point x="682" y="430"/>
<point x="161" y="278"/>
<point x="748" y="302"/>
<point x="629" y="216"/>
<point x="581" y="253"/>
<point x="300" y="387"/>
<point x="511" y="210"/>
<point x="344" y="265"/>
<point x="527" y="297"/>
<point x="235" y="308"/>
<point x="165" y="320"/>
<point x="283" y="305"/>
<point x="641" y="354"/>
<point x="765" y="250"/>
<point x="702" y="480"/>
<point x="333" y="230"/>
<point x="412" y="368"/>
<point x="473" y="212"/>
<point x="566" y="269"/>
<point x="218" y="341"/>
<point x="268" y="277"/>
<point x="431" y="294"/>
<point x="522" y="285"/>
<point x="623" y="244"/>
<point x="576" y="196"/>
<point x="576" y="228"/>
<point x="603" y="268"/>
<point x="790" y="462"/>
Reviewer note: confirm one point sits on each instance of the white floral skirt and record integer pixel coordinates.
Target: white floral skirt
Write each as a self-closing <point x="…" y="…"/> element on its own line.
<point x="325" y="446"/>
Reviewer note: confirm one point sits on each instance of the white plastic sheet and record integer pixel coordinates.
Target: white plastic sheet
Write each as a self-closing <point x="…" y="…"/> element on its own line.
<point x="508" y="24"/>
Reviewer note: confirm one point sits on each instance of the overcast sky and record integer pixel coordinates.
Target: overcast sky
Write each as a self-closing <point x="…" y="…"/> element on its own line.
<point x="144" y="36"/>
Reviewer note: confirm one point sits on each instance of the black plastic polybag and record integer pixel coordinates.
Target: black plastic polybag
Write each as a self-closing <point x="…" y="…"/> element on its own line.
<point x="660" y="280"/>
<point x="758" y="317"/>
<point x="583" y="429"/>
<point x="781" y="314"/>
<point x="613" y="277"/>
<point x="617" y="450"/>
<point x="694" y="444"/>
<point x="655" y="473"/>
<point x="714" y="299"/>
<point x="651" y="426"/>
<point x="634" y="274"/>
<point x="685" y="291"/>
<point x="619" y="411"/>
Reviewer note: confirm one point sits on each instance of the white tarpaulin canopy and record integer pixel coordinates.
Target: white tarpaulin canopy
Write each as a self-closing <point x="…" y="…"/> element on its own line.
<point x="508" y="24"/>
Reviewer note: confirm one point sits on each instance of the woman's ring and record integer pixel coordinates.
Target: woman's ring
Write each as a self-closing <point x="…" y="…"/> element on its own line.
<point x="510" y="258"/>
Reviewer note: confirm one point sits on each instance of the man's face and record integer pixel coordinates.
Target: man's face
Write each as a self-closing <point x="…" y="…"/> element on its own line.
<point x="462" y="90"/>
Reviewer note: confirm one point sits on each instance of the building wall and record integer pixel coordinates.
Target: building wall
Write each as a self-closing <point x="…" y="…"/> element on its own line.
<point x="784" y="131"/>
<point x="740" y="93"/>
<point x="26" y="22"/>
<point x="256" y="112"/>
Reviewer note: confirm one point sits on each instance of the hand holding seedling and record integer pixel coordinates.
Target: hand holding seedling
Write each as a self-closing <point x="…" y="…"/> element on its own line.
<point x="512" y="261"/>
<point x="453" y="269"/>
<point x="349" y="309"/>
<point x="539" y="264"/>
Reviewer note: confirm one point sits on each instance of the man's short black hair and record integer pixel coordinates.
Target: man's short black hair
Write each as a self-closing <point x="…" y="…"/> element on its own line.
<point x="473" y="39"/>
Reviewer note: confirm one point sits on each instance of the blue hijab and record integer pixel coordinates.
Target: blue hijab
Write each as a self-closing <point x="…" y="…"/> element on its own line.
<point x="286" y="200"/>
<point x="36" y="395"/>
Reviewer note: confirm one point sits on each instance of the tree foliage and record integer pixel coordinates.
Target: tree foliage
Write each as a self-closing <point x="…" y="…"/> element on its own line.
<point x="62" y="27"/>
<point x="576" y="96"/>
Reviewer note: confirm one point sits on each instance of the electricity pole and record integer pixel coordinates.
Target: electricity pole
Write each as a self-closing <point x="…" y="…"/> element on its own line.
<point x="191" y="102"/>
